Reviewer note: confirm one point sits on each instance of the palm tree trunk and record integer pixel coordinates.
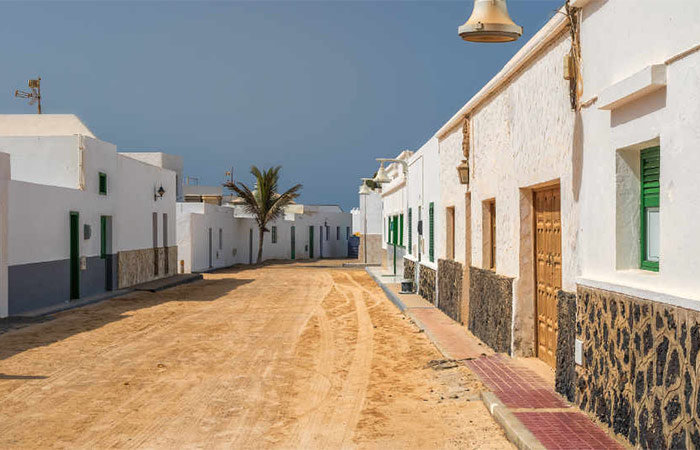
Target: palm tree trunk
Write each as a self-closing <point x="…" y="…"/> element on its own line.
<point x="261" y="231"/>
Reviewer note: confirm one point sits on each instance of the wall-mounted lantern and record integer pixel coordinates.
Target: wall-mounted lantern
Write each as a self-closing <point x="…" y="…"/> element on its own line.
<point x="463" y="171"/>
<point x="158" y="194"/>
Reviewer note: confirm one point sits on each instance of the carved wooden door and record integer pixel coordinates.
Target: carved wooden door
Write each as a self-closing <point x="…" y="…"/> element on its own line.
<point x="547" y="270"/>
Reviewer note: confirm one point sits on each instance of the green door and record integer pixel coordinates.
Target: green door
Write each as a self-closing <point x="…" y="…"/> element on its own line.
<point x="311" y="242"/>
<point x="293" y="243"/>
<point x="74" y="255"/>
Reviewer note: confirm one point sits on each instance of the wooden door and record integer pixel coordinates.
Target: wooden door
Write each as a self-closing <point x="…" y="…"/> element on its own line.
<point x="547" y="270"/>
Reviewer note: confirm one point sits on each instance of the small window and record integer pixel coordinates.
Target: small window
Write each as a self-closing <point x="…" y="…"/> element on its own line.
<point x="328" y="232"/>
<point x="650" y="169"/>
<point x="221" y="239"/>
<point x="274" y="234"/>
<point x="103" y="183"/>
<point x="337" y="233"/>
<point x="347" y="233"/>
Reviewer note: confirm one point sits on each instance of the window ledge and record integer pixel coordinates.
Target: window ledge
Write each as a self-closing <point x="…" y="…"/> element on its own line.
<point x="650" y="79"/>
<point x="626" y="288"/>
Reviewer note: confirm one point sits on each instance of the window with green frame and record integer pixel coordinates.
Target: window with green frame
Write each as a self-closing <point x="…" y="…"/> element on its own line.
<point x="401" y="230"/>
<point x="650" y="169"/>
<point x="410" y="230"/>
<point x="395" y="230"/>
<point x="273" y="234"/>
<point x="103" y="183"/>
<point x="431" y="231"/>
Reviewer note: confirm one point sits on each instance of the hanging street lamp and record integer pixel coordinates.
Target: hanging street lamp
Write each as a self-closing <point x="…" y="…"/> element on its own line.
<point x="490" y="22"/>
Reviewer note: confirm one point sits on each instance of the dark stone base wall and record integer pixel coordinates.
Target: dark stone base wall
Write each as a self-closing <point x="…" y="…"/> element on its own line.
<point x="640" y="368"/>
<point x="491" y="308"/>
<point x="409" y="269"/>
<point x="450" y="288"/>
<point x="565" y="378"/>
<point x="426" y="284"/>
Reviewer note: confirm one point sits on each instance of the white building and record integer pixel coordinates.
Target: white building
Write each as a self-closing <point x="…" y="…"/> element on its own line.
<point x="212" y="236"/>
<point x="367" y="223"/>
<point x="81" y="218"/>
<point x="574" y="239"/>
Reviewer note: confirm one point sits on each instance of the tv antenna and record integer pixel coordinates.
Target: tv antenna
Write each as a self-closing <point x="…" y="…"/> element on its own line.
<point x="34" y="95"/>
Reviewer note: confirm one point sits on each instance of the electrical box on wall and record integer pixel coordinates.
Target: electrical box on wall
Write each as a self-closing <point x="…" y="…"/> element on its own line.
<point x="578" y="352"/>
<point x="83" y="263"/>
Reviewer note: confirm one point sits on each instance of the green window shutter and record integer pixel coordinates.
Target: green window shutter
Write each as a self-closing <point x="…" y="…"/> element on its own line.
<point x="410" y="230"/>
<point x="395" y="230"/>
<point x="274" y="235"/>
<point x="650" y="169"/>
<point x="431" y="231"/>
<point x="401" y="228"/>
<point x="103" y="183"/>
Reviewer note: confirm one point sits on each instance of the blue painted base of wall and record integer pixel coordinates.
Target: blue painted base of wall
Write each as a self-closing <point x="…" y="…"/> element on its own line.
<point x="39" y="286"/>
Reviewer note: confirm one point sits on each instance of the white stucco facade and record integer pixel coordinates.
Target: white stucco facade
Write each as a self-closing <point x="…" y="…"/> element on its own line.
<point x="54" y="177"/>
<point x="645" y="98"/>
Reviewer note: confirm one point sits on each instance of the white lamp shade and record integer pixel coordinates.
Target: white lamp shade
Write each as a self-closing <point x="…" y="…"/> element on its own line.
<point x="364" y="189"/>
<point x="381" y="177"/>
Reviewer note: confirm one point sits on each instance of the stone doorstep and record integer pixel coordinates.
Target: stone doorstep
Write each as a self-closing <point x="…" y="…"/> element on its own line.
<point x="535" y="416"/>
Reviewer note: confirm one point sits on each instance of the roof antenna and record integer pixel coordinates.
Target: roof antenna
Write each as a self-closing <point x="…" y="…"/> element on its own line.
<point x="34" y="95"/>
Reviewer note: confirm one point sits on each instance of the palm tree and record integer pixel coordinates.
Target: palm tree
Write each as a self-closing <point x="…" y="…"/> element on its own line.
<point x="264" y="202"/>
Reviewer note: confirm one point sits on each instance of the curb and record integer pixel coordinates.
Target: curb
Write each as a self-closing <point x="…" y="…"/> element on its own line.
<point x="390" y="295"/>
<point x="515" y="431"/>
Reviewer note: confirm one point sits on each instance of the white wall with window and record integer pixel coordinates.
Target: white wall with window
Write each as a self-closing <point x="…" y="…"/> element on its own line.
<point x="639" y="182"/>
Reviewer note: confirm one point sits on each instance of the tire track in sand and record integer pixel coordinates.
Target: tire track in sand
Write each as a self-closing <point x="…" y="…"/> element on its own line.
<point x="333" y="423"/>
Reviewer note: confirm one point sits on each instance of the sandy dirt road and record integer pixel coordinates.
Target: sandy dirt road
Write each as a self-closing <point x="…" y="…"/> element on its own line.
<point x="281" y="356"/>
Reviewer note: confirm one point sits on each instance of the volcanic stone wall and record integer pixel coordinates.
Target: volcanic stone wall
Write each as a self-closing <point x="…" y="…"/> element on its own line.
<point x="450" y="288"/>
<point x="565" y="379"/>
<point x="491" y="308"/>
<point x="426" y="283"/>
<point x="409" y="269"/>
<point x="640" y="368"/>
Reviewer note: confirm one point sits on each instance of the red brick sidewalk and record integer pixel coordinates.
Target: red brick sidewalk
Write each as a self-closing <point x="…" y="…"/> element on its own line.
<point x="545" y="414"/>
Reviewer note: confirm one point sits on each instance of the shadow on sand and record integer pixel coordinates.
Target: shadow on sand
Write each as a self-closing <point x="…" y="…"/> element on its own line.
<point x="22" y="334"/>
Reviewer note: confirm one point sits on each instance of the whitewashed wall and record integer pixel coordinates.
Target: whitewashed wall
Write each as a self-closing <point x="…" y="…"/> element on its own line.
<point x="370" y="204"/>
<point x="39" y="235"/>
<point x="51" y="160"/>
<point x="669" y="117"/>
<point x="193" y="223"/>
<point x="452" y="194"/>
<point x="166" y="161"/>
<point x="135" y="184"/>
<point x="424" y="187"/>
<point x="195" y="219"/>
<point x="521" y="138"/>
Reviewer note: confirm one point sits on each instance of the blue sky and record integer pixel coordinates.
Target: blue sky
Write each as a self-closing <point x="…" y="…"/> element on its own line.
<point x="319" y="87"/>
